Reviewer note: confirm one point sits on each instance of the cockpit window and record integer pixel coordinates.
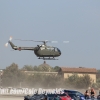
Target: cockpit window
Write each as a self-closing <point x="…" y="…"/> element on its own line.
<point x="58" y="50"/>
<point x="42" y="48"/>
<point x="50" y="48"/>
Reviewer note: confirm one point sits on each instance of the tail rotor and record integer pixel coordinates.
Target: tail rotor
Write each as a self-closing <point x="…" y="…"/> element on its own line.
<point x="6" y="45"/>
<point x="10" y="38"/>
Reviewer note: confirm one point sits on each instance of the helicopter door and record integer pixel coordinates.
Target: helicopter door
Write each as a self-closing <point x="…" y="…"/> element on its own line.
<point x="52" y="51"/>
<point x="55" y="50"/>
<point x="48" y="51"/>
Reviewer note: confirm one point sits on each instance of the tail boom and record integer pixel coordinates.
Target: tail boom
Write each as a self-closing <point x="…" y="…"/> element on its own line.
<point x="20" y="48"/>
<point x="12" y="45"/>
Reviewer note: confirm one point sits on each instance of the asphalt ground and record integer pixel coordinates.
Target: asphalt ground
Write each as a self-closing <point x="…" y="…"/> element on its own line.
<point x="17" y="98"/>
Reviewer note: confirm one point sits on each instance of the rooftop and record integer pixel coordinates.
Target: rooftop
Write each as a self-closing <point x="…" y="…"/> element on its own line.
<point x="78" y="70"/>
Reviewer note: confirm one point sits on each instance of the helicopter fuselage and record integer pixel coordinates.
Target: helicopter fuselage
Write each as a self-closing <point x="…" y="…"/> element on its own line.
<point x="40" y="50"/>
<point x="47" y="52"/>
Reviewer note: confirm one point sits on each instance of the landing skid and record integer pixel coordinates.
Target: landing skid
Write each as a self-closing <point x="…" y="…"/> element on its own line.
<point x="48" y="58"/>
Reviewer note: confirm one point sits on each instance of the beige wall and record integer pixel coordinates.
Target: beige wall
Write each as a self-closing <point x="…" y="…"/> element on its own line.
<point x="45" y="73"/>
<point x="92" y="76"/>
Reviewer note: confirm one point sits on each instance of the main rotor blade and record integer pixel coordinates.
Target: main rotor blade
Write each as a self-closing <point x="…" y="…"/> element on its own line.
<point x="23" y="40"/>
<point x="54" y="41"/>
<point x="31" y="40"/>
<point x="43" y="41"/>
<point x="65" y="41"/>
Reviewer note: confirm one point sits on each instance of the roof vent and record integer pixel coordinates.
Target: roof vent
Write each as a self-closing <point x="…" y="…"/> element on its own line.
<point x="80" y="67"/>
<point x="44" y="62"/>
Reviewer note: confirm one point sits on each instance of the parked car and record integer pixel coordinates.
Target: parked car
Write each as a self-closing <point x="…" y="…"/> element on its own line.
<point x="98" y="97"/>
<point x="52" y="97"/>
<point x="35" y="97"/>
<point x="75" y="95"/>
<point x="58" y="97"/>
<point x="64" y="96"/>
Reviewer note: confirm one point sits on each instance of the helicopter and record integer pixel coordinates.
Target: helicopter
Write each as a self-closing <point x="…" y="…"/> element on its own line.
<point x="41" y="51"/>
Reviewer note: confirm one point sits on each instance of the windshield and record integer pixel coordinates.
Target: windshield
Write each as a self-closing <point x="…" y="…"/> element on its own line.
<point x="51" y="95"/>
<point x="58" y="50"/>
<point x="73" y="92"/>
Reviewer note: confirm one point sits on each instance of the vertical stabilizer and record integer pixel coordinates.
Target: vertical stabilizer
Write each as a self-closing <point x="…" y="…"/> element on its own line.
<point x="12" y="45"/>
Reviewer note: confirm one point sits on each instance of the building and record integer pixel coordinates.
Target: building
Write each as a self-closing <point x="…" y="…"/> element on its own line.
<point x="1" y="73"/>
<point x="40" y="72"/>
<point x="43" y="69"/>
<point x="68" y="71"/>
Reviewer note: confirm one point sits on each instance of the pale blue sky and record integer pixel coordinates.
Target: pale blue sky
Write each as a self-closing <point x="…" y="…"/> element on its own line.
<point x="77" y="21"/>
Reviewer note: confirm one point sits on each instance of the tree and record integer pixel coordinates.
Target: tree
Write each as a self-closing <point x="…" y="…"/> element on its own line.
<point x="56" y="68"/>
<point x="79" y="81"/>
<point x="28" y="68"/>
<point x="98" y="74"/>
<point x="35" y="68"/>
<point x="84" y="81"/>
<point x="12" y="76"/>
